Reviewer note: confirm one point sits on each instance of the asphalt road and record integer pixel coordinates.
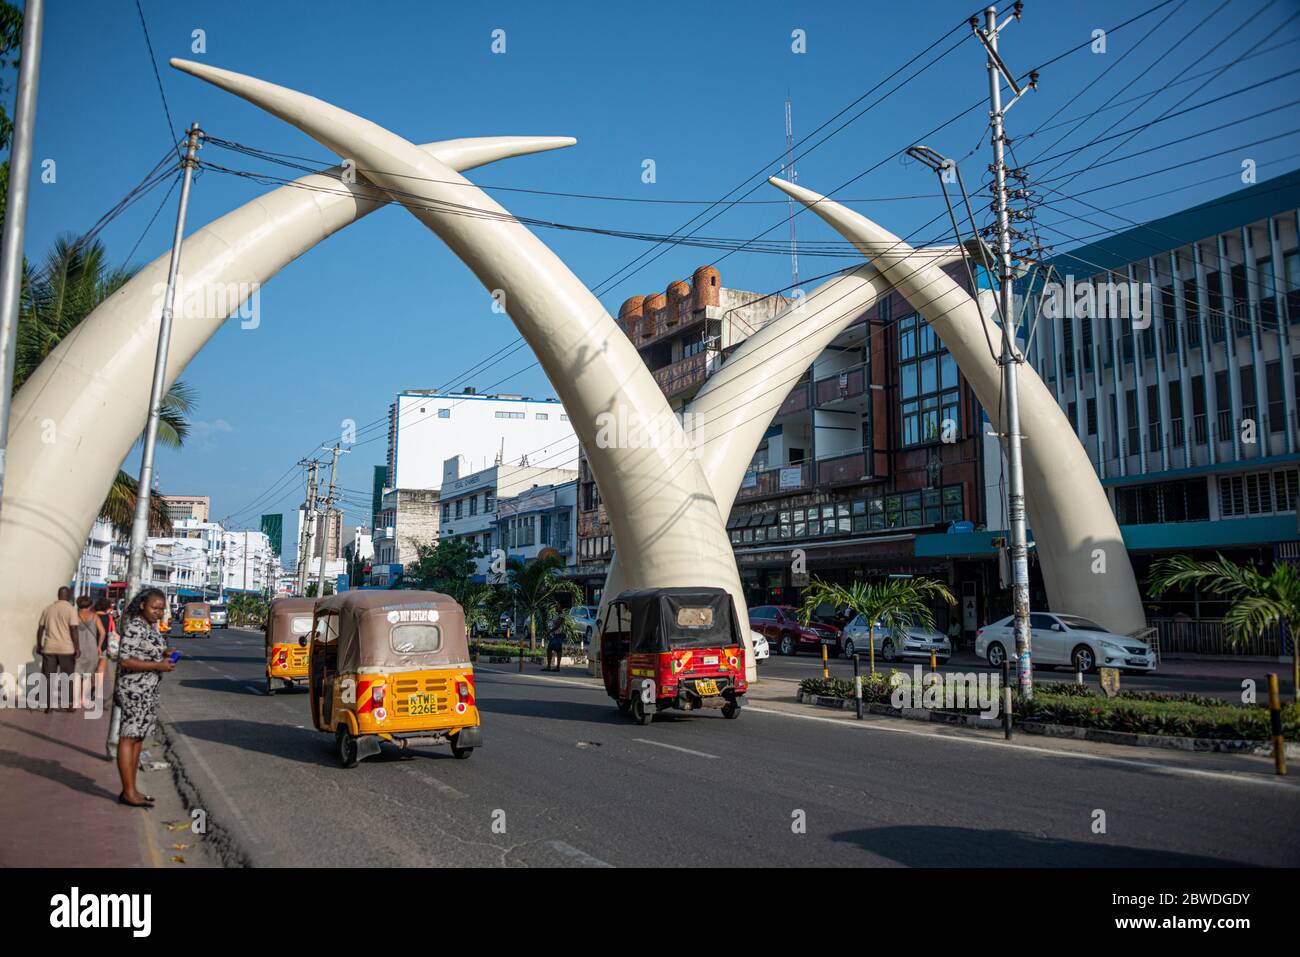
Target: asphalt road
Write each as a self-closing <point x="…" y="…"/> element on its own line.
<point x="564" y="780"/>
<point x="808" y="664"/>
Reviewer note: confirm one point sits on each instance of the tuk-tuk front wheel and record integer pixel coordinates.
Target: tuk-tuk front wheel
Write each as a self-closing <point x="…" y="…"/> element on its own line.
<point x="731" y="709"/>
<point x="639" y="713"/>
<point x="346" y="744"/>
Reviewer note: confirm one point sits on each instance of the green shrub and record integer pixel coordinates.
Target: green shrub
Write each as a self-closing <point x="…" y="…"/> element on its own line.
<point x="1081" y="706"/>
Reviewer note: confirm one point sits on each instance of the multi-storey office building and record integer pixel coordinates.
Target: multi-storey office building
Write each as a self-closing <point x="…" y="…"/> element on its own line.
<point x="1186" y="404"/>
<point x="427" y="428"/>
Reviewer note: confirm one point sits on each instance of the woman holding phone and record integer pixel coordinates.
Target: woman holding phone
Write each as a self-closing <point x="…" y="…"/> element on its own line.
<point x="141" y="662"/>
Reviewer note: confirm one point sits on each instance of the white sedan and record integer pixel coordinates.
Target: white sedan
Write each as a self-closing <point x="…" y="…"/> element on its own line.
<point x="761" y="651"/>
<point x="1060" y="639"/>
<point x="916" y="642"/>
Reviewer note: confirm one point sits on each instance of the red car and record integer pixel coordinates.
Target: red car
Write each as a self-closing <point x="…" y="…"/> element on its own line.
<point x="780" y="625"/>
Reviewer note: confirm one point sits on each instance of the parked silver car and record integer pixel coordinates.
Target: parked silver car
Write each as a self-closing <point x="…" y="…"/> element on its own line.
<point x="915" y="643"/>
<point x="584" y="620"/>
<point x="1060" y="639"/>
<point x="761" y="650"/>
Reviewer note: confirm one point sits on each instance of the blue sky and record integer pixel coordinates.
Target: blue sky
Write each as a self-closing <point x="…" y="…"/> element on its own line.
<point x="698" y="88"/>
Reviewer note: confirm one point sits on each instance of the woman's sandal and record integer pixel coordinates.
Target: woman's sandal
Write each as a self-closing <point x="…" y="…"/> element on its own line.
<point x="146" y="804"/>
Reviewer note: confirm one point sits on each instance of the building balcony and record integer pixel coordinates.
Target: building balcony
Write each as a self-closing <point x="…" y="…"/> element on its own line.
<point x="846" y="468"/>
<point x="796" y="401"/>
<point x="667" y="322"/>
<point x="684" y="375"/>
<point x="845" y="384"/>
<point x="782" y="480"/>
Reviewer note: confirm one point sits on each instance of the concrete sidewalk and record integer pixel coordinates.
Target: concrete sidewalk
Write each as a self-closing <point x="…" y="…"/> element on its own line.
<point x="58" y="799"/>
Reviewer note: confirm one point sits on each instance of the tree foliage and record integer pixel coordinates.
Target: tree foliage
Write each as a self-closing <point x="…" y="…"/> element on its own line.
<point x="894" y="604"/>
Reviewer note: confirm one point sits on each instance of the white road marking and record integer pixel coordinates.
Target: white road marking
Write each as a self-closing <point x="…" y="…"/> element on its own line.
<point x="560" y="681"/>
<point x="582" y="857"/>
<point x="1232" y="776"/>
<point x="446" y="790"/>
<point x="660" y="744"/>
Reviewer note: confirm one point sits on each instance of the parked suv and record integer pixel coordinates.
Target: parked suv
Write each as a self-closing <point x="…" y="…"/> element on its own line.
<point x="1061" y="639"/>
<point x="780" y="625"/>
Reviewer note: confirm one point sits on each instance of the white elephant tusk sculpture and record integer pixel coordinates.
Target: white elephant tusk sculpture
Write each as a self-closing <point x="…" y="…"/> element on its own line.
<point x="662" y="509"/>
<point x="76" y="418"/>
<point x="1085" y="565"/>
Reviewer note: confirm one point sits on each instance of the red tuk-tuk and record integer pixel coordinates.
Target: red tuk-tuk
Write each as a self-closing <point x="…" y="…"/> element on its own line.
<point x="665" y="648"/>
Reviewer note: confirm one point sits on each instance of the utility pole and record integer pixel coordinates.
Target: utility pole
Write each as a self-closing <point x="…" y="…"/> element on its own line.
<point x="304" y="534"/>
<point x="326" y="512"/>
<point x="140" y="523"/>
<point x="11" y="247"/>
<point x="1010" y="359"/>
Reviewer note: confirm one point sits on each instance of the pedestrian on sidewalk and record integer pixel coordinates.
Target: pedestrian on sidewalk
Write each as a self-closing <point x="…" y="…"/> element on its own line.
<point x="141" y="663"/>
<point x="555" y="644"/>
<point x="89" y="641"/>
<point x="108" y="644"/>
<point x="54" y="638"/>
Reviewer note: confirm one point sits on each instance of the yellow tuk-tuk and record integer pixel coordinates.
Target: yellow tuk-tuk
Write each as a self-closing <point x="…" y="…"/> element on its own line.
<point x="196" y="618"/>
<point x="392" y="666"/>
<point x="288" y="630"/>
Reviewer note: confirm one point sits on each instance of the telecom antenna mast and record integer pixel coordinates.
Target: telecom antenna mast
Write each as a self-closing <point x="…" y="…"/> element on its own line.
<point x="791" y="176"/>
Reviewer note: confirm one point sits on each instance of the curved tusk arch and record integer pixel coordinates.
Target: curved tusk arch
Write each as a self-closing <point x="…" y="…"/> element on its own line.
<point x="1068" y="510"/>
<point x="76" y="418"/>
<point x="736" y="404"/>
<point x="663" y="512"/>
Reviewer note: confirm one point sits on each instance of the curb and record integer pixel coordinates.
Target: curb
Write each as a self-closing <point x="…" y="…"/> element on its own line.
<point x="218" y="840"/>
<point x="1099" y="735"/>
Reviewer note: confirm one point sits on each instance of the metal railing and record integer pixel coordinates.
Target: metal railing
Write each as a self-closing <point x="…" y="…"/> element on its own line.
<point x="1210" y="637"/>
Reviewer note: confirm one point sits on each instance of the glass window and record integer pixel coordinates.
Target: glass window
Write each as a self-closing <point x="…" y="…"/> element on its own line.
<point x="893" y="511"/>
<point x="444" y="413"/>
<point x="415" y="637"/>
<point x="876" y="513"/>
<point x="947" y="371"/>
<point x="912" y="509"/>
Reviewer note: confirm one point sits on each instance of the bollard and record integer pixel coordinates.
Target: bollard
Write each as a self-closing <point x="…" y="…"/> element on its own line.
<point x="857" y="684"/>
<point x="826" y="672"/>
<point x="1275" y="717"/>
<point x="1006" y="699"/>
<point x="1078" y="676"/>
<point x="521" y="652"/>
<point x="933" y="664"/>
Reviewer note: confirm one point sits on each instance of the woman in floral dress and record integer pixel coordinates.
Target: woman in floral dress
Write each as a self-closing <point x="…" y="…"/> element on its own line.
<point x="141" y="663"/>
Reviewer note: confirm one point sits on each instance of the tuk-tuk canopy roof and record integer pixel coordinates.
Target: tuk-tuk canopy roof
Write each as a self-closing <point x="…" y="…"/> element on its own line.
<point x="195" y="609"/>
<point x="667" y="618"/>
<point x="283" y="612"/>
<point x="389" y="630"/>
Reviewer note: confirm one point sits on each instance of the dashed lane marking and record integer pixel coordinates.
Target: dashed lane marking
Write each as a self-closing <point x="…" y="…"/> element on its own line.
<point x="673" y="747"/>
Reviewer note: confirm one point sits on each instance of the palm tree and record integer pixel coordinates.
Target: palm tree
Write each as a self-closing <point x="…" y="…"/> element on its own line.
<point x="535" y="588"/>
<point x="482" y="606"/>
<point x="1259" y="600"/>
<point x="894" y="604"/>
<point x="74" y="279"/>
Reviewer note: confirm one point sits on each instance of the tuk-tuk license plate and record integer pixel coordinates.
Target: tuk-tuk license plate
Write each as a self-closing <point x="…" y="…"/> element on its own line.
<point x="706" y="687"/>
<point x="421" y="704"/>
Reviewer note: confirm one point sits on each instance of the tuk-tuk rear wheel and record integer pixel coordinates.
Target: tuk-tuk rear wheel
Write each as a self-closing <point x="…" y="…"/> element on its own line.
<point x="624" y="704"/>
<point x="346" y="745"/>
<point x="461" y="753"/>
<point x="639" y="713"/>
<point x="731" y="709"/>
<point x="270" y="685"/>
